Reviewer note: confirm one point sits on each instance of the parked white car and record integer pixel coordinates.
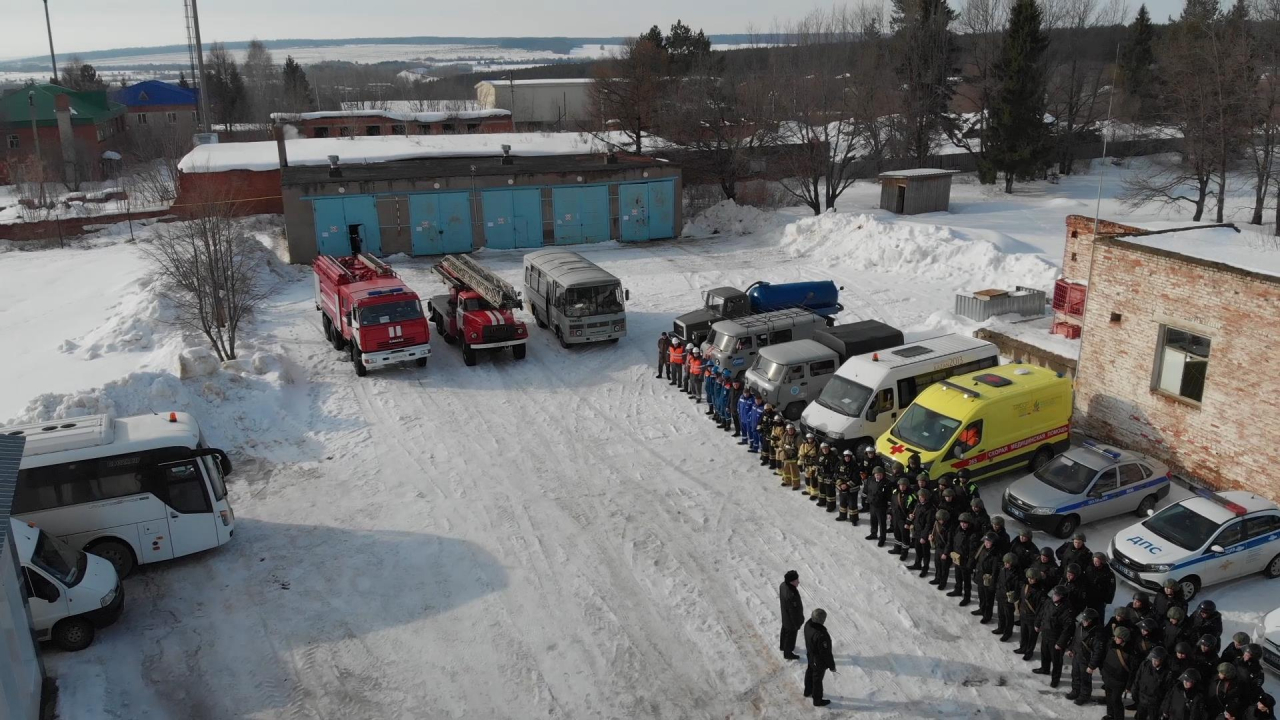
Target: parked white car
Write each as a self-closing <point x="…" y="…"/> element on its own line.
<point x="1268" y="636"/>
<point x="70" y="593"/>
<point x="1203" y="540"/>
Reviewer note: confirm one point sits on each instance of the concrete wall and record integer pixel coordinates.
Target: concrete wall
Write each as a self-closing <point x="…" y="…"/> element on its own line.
<point x="1231" y="439"/>
<point x="21" y="675"/>
<point x="565" y="106"/>
<point x="393" y="206"/>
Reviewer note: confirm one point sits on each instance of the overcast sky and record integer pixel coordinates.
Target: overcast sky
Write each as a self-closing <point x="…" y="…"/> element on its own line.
<point x="104" y="24"/>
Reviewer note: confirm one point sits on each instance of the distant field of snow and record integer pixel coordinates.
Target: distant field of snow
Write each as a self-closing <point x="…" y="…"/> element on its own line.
<point x="563" y="536"/>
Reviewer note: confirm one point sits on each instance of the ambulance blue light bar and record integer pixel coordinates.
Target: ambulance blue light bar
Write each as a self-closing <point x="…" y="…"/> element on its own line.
<point x="1099" y="449"/>
<point x="1235" y="508"/>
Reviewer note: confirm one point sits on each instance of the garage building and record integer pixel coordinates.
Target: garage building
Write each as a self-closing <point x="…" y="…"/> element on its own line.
<point x="560" y="104"/>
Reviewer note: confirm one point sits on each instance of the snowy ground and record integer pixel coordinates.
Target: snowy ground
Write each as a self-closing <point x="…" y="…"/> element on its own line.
<point x="562" y="536"/>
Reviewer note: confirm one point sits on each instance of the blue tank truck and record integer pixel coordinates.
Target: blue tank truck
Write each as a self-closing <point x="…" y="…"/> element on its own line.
<point x="727" y="303"/>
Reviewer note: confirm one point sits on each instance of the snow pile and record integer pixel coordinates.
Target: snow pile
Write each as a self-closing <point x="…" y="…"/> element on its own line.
<point x="729" y="218"/>
<point x="132" y="325"/>
<point x="860" y="243"/>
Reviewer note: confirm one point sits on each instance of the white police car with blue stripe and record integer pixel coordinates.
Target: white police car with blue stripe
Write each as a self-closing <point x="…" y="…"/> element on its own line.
<point x="1204" y="540"/>
<point x="1085" y="484"/>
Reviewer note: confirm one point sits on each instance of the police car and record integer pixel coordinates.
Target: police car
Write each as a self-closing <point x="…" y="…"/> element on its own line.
<point x="1268" y="636"/>
<point x="1084" y="484"/>
<point x="1203" y="540"/>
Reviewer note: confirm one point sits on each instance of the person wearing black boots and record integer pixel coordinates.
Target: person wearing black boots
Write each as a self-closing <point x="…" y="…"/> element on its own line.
<point x="922" y="518"/>
<point x="986" y="567"/>
<point x="965" y="541"/>
<point x="1087" y="647"/>
<point x="1033" y="596"/>
<point x="940" y="544"/>
<point x="1055" y="625"/>
<point x="1008" y="589"/>
<point x="1116" y="672"/>
<point x="1151" y="684"/>
<point x="877" y="489"/>
<point x="901" y="505"/>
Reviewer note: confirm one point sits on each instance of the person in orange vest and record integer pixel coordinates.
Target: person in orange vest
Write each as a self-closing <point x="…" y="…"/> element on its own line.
<point x="676" y="361"/>
<point x="695" y="376"/>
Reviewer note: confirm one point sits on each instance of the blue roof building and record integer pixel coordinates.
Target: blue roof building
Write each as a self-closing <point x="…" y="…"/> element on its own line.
<point x="156" y="95"/>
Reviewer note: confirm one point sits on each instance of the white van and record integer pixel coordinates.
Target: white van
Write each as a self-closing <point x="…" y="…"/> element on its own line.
<point x="868" y="392"/>
<point x="70" y="593"/>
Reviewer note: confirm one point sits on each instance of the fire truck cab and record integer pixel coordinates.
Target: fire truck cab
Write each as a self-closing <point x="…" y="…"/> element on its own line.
<point x="367" y="310"/>
<point x="478" y="310"/>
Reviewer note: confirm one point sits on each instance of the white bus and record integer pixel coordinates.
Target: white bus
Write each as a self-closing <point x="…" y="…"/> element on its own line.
<point x="131" y="490"/>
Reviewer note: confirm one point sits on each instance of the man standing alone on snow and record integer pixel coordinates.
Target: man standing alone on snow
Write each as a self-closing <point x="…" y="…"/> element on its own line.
<point x="664" y="346"/>
<point x="792" y="613"/>
<point x="817" y="643"/>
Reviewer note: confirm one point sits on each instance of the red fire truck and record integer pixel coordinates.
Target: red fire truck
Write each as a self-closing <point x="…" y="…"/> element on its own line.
<point x="477" y="309"/>
<point x="367" y="310"/>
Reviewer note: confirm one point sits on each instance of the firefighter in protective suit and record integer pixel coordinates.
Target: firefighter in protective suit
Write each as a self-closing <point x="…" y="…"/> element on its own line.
<point x="790" y="452"/>
<point x="807" y="457"/>
<point x="846" y="498"/>
<point x="777" y="434"/>
<point x="764" y="433"/>
<point x="827" y="464"/>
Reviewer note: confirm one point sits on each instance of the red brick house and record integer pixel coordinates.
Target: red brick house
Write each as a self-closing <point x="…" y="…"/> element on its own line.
<point x="373" y="123"/>
<point x="74" y="128"/>
<point x="1178" y="355"/>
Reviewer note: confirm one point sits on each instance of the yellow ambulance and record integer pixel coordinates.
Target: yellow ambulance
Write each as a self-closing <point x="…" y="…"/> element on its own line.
<point x="988" y="421"/>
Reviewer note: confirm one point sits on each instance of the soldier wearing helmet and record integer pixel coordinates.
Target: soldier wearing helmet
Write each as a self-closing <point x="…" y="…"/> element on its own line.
<point x="901" y="506"/>
<point x="1009" y="582"/>
<point x="986" y="566"/>
<point x="1151" y="684"/>
<point x="1170" y="595"/>
<point x="1185" y="700"/>
<point x="1116" y="671"/>
<point x="940" y="536"/>
<point x="966" y="541"/>
<point x="1033" y="596"/>
<point x="878" y="491"/>
<point x="922" y="519"/>
<point x="1087" y="648"/>
<point x="1055" y="623"/>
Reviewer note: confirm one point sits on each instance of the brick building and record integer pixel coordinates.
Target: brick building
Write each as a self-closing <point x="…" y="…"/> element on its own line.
<point x="374" y="123"/>
<point x="1178" y="354"/>
<point x="157" y="106"/>
<point x="74" y="129"/>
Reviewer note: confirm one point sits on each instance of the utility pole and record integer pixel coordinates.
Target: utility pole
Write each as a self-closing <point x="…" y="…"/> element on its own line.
<point x="197" y="49"/>
<point x="53" y="60"/>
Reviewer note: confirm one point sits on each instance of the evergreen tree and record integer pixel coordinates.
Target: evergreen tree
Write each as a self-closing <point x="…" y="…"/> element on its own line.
<point x="1019" y="138"/>
<point x="1137" y="63"/>
<point x="686" y="47"/>
<point x="654" y="38"/>
<point x="297" y="89"/>
<point x="227" y="96"/>
<point x="927" y="51"/>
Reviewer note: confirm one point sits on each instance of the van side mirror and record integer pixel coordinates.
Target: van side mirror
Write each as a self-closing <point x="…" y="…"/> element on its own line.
<point x="224" y="462"/>
<point x="1217" y="549"/>
<point x="871" y="412"/>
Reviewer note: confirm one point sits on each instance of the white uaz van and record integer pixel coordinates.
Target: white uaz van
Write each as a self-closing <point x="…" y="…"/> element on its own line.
<point x="70" y="593"/>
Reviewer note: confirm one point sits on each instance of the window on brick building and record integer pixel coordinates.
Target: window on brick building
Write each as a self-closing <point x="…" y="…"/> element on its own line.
<point x="1182" y="363"/>
<point x="12" y="142"/>
<point x="447" y="128"/>
<point x="372" y="130"/>
<point x="397" y="129"/>
<point x="321" y="132"/>
<point x="142" y="118"/>
<point x="424" y="129"/>
<point x="172" y="117"/>
<point x="344" y="131"/>
<point x="473" y="127"/>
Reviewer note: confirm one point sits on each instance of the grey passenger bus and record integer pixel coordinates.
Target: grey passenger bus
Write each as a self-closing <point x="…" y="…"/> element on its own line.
<point x="573" y="296"/>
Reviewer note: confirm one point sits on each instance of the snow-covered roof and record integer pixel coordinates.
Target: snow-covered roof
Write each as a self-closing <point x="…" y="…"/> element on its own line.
<point x="263" y="155"/>
<point x="917" y="173"/>
<point x="422" y="117"/>
<point x="549" y="81"/>
<point x="412" y="105"/>
<point x="1227" y="245"/>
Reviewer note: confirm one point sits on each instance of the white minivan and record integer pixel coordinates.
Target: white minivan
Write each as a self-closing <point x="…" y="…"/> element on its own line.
<point x="70" y="593"/>
<point x="862" y="401"/>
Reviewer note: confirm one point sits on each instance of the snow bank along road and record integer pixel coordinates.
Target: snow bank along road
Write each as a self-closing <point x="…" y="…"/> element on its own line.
<point x="559" y="537"/>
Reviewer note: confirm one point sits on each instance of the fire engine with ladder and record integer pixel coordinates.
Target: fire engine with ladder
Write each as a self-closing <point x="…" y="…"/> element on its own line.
<point x="477" y="310"/>
<point x="367" y="310"/>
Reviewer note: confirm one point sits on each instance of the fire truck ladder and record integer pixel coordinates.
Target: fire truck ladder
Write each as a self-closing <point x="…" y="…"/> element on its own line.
<point x="460" y="270"/>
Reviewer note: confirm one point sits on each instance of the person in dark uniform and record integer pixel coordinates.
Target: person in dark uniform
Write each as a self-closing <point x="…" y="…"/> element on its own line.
<point x="1140" y="604"/>
<point x="1185" y="701"/>
<point x="1169" y="596"/>
<point x="878" y="491"/>
<point x="940" y="544"/>
<point x="828" y="462"/>
<point x="817" y="643"/>
<point x="1232" y="652"/>
<point x="664" y="346"/>
<point x="764" y="434"/>
<point x="870" y="461"/>
<point x="913" y="466"/>
<point x="1025" y="548"/>
<point x="901" y="506"/>
<point x="1249" y="667"/>
<point x="1207" y="620"/>
<point x="964" y="485"/>
<point x="986" y="567"/>
<point x="1072" y="581"/>
<point x="965" y="541"/>
<point x="1226" y="692"/>
<point x="1074" y="551"/>
<point x="844" y="475"/>
<point x="1151" y="684"/>
<point x="1047" y="565"/>
<point x="1176" y="628"/>
<point x="1099" y="583"/>
<point x="1008" y="589"/>
<point x="922" y="518"/>
<point x="953" y="503"/>
<point x="982" y="520"/>
<point x="1205" y="656"/>
<point x="1116" y="671"/>
<point x="1148" y="638"/>
<point x="1033" y="596"/>
<point x="1180" y="658"/>
<point x="1087" y="647"/>
<point x="1055" y="624"/>
<point x="792" y="613"/>
<point x="734" y="408"/>
<point x="1003" y="542"/>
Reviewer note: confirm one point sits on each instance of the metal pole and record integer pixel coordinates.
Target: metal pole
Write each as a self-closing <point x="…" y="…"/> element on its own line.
<point x="204" y="96"/>
<point x="53" y="60"/>
<point x="1111" y="96"/>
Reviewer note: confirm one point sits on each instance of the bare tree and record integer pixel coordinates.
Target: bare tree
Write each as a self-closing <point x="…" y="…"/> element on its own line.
<point x="629" y="91"/>
<point x="261" y="79"/>
<point x="1265" y="144"/>
<point x="1079" y="75"/>
<point x="211" y="271"/>
<point x="153" y="156"/>
<point x="983" y="23"/>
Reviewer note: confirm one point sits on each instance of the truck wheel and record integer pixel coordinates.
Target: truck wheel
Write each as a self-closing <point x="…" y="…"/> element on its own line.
<point x="518" y="351"/>
<point x="420" y="362"/>
<point x="328" y="327"/>
<point x="115" y="552"/>
<point x="361" y="370"/>
<point x="469" y="355"/>
<point x="73" y="634"/>
<point x="335" y="336"/>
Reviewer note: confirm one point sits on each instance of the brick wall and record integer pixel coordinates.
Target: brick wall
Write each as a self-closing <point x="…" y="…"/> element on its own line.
<point x="1231" y="439"/>
<point x="253" y="192"/>
<point x="359" y="125"/>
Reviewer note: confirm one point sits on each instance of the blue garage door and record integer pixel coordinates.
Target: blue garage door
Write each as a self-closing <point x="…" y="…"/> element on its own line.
<point x="339" y="219"/>
<point x="512" y="218"/>
<point x="662" y="210"/>
<point x="633" y="216"/>
<point x="582" y="214"/>
<point x="441" y="223"/>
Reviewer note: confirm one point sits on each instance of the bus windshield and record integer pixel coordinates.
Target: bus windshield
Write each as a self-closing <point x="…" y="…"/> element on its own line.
<point x="59" y="560"/>
<point x="398" y="311"/>
<point x="845" y="396"/>
<point x="588" y="301"/>
<point x="925" y="428"/>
